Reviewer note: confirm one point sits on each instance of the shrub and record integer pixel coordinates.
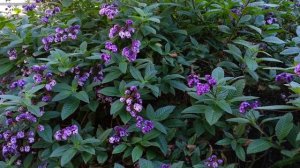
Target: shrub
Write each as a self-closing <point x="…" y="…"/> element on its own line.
<point x="185" y="83"/>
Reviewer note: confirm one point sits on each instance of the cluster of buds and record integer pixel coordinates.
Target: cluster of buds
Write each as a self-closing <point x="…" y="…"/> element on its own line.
<point x="119" y="133"/>
<point x="49" y="13"/>
<point x="29" y="7"/>
<point x="65" y="133"/>
<point x="19" y="83"/>
<point x="131" y="52"/>
<point x="270" y="19"/>
<point x="213" y="162"/>
<point x="109" y="10"/>
<point x="133" y="102"/>
<point x="284" y="78"/>
<point x="61" y="35"/>
<point x="12" y="54"/>
<point x="246" y="106"/>
<point x="201" y="88"/>
<point x="123" y="32"/>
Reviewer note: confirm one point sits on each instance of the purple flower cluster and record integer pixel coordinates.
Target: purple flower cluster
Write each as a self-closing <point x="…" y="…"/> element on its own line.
<point x="165" y="166"/>
<point x="284" y="78"/>
<point x="38" y="1"/>
<point x="270" y="19"/>
<point x="246" y="106"/>
<point x="131" y="52"/>
<point x="49" y="13"/>
<point x="297" y="70"/>
<point x="133" y="102"/>
<point x="111" y="47"/>
<point x="123" y="32"/>
<point x="65" y="133"/>
<point x="145" y="125"/>
<point x="16" y="143"/>
<point x="61" y="35"/>
<point x="105" y="57"/>
<point x="29" y="7"/>
<point x="83" y="76"/>
<point x="213" y="162"/>
<point x="19" y="83"/>
<point x="201" y="88"/>
<point x="236" y="11"/>
<point x="109" y="10"/>
<point x="120" y="132"/>
<point x="12" y="54"/>
<point x="40" y="76"/>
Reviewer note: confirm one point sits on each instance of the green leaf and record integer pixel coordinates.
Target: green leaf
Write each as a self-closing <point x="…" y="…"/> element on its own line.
<point x="123" y="67"/>
<point x="251" y="63"/>
<point x="140" y="11"/>
<point x="218" y="73"/>
<point x="117" y="165"/>
<point x="110" y="91"/>
<point x="66" y="3"/>
<point x="111" y="76"/>
<point x="116" y="106"/>
<point x="119" y="149"/>
<point x="212" y="116"/>
<point x="62" y="95"/>
<point x="136" y="74"/>
<point x="69" y="108"/>
<point x="258" y="145"/>
<point x="46" y="134"/>
<point x="273" y="39"/>
<point x="177" y="165"/>
<point x="240" y="153"/>
<point x="137" y="153"/>
<point x="145" y="163"/>
<point x="82" y="95"/>
<point x="83" y="47"/>
<point x="162" y="113"/>
<point x="102" y="157"/>
<point x="239" y="120"/>
<point x="255" y="28"/>
<point x="284" y="126"/>
<point x="67" y="156"/>
<point x="195" y="109"/>
<point x="277" y="107"/>
<point x="290" y="51"/>
<point x="224" y="106"/>
<point x="60" y="151"/>
<point x="160" y="127"/>
<point x="104" y="135"/>
<point x="5" y="68"/>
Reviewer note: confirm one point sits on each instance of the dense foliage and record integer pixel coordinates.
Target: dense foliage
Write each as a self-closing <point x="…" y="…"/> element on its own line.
<point x="149" y="84"/>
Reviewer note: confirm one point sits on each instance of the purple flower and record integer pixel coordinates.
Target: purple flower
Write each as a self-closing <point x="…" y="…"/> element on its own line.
<point x="129" y="54"/>
<point x="46" y="98"/>
<point x="12" y="54"/>
<point x="193" y="80"/>
<point x="210" y="80"/>
<point x="137" y="107"/>
<point x="114" y="30"/>
<point x="255" y="104"/>
<point x="111" y="47"/>
<point x="13" y="85"/>
<point x="236" y="11"/>
<point x="244" y="107"/>
<point x="29" y="7"/>
<point x="284" y="78"/>
<point x="38" y="78"/>
<point x="270" y="19"/>
<point x="20" y="134"/>
<point x="50" y="85"/>
<point x="297" y="70"/>
<point x="40" y="128"/>
<point x="110" y="10"/>
<point x="135" y="46"/>
<point x="105" y="57"/>
<point x="165" y="166"/>
<point x="147" y="126"/>
<point x="65" y="133"/>
<point x="21" y="83"/>
<point x="202" y="88"/>
<point x="213" y="162"/>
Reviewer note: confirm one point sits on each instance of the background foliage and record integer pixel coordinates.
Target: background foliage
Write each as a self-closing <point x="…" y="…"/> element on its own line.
<point x="243" y="44"/>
